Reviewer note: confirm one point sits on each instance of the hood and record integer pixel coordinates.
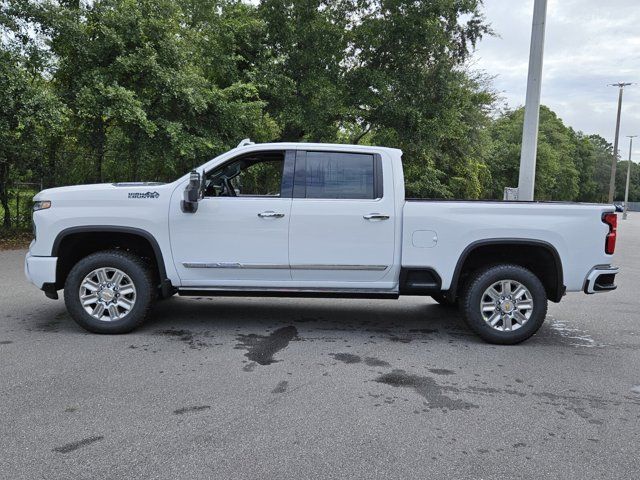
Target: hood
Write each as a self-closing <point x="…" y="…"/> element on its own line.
<point x="103" y="191"/>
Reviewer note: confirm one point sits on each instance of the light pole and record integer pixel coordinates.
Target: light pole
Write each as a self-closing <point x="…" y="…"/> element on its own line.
<point x="626" y="190"/>
<point x="527" y="178"/>
<point x="614" y="162"/>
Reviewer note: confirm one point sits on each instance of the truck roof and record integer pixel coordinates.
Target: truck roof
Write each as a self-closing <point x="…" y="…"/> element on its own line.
<point x="320" y="146"/>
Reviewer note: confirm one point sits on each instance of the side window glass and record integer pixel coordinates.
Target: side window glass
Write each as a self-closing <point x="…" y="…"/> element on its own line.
<point x="251" y="176"/>
<point x="339" y="175"/>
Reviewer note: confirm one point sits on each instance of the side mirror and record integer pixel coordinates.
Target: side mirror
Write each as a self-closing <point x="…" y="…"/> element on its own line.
<point x="192" y="193"/>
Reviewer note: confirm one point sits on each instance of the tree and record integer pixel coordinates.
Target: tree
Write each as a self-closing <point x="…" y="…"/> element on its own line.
<point x="30" y="114"/>
<point x="301" y="75"/>
<point x="107" y="90"/>
<point x="144" y="100"/>
<point x="621" y="181"/>
<point x="557" y="177"/>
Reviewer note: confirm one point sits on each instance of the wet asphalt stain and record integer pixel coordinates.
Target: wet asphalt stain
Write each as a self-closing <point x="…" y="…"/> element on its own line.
<point x="376" y="362"/>
<point x="427" y="388"/>
<point x="70" y="447"/>
<point x="442" y="371"/>
<point x="250" y="367"/>
<point x="49" y="326"/>
<point x="281" y="387"/>
<point x="346" y="357"/>
<point x="395" y="338"/>
<point x="197" y="408"/>
<point x="424" y="330"/>
<point x="261" y="349"/>
<point x="192" y="339"/>
<point x="5" y="342"/>
<point x="306" y="319"/>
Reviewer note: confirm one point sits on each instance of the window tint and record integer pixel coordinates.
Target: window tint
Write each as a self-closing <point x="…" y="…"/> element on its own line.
<point x="249" y="176"/>
<point x="339" y="175"/>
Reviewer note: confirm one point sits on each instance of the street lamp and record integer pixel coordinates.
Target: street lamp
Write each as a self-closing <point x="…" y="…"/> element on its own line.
<point x="626" y="190"/>
<point x="527" y="177"/>
<point x="614" y="162"/>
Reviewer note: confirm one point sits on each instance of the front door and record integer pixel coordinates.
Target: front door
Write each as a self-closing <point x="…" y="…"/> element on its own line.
<point x="239" y="234"/>
<point x="342" y="229"/>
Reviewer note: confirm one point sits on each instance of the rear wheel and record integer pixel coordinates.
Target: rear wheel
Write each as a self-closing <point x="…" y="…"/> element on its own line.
<point x="504" y="304"/>
<point x="109" y="292"/>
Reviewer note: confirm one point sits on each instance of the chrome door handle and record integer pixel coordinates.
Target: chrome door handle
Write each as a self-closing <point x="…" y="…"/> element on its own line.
<point x="270" y="214"/>
<point x="376" y="216"/>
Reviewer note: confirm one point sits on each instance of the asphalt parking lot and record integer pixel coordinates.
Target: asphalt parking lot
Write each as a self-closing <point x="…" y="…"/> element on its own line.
<point x="298" y="388"/>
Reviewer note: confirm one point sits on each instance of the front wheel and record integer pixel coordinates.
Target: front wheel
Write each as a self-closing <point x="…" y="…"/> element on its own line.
<point x="109" y="292"/>
<point x="505" y="304"/>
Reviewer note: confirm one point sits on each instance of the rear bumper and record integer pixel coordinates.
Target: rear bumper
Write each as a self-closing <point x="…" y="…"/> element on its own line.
<point x="601" y="279"/>
<point x="40" y="270"/>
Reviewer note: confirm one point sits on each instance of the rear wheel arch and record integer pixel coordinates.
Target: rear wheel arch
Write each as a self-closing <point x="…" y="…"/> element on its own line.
<point x="540" y="257"/>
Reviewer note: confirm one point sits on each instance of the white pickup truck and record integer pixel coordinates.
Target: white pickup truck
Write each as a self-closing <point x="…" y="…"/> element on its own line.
<point x="306" y="219"/>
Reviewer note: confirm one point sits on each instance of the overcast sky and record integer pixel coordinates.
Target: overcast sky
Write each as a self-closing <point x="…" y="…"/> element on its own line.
<point x="589" y="44"/>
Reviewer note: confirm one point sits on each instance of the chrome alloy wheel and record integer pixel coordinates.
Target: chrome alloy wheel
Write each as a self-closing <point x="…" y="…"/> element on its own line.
<point x="107" y="294"/>
<point x="506" y="305"/>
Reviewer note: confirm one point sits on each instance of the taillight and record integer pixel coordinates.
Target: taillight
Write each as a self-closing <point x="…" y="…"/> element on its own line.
<point x="610" y="219"/>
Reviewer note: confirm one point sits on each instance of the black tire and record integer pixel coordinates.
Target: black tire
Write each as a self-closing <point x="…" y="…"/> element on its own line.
<point x="481" y="281"/>
<point x="444" y="300"/>
<point x="134" y="268"/>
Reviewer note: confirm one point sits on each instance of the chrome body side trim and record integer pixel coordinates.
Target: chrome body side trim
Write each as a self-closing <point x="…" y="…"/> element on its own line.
<point x="234" y="265"/>
<point x="263" y="266"/>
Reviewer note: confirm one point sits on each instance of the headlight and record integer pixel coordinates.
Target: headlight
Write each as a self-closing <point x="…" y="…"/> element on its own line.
<point x="41" y="205"/>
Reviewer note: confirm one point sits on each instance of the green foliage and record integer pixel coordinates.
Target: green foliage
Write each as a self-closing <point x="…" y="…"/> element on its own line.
<point x="30" y="117"/>
<point x="570" y="165"/>
<point x="107" y="90"/>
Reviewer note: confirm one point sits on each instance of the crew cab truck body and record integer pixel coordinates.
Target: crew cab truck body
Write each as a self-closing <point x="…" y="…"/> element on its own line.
<point x="312" y="220"/>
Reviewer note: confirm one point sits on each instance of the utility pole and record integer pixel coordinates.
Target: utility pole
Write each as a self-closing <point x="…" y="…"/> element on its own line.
<point x="626" y="190"/>
<point x="614" y="162"/>
<point x="527" y="178"/>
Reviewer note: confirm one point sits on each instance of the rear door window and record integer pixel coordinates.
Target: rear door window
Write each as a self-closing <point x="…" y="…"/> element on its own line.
<point x="338" y="175"/>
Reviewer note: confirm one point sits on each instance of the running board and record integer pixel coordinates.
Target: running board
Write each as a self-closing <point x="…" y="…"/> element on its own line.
<point x="288" y="292"/>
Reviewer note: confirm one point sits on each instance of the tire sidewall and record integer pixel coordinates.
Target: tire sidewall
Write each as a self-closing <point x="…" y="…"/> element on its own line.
<point x="484" y="280"/>
<point x="134" y="269"/>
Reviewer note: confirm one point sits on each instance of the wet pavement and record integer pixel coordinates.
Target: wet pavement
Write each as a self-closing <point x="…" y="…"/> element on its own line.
<point x="310" y="388"/>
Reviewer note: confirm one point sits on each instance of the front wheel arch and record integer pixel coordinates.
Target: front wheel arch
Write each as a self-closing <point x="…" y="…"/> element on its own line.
<point x="73" y="244"/>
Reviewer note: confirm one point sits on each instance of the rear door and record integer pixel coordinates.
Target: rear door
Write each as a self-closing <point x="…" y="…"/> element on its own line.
<point x="342" y="225"/>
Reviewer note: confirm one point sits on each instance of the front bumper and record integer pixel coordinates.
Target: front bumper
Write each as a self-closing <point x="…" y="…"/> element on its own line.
<point x="40" y="271"/>
<point x="601" y="279"/>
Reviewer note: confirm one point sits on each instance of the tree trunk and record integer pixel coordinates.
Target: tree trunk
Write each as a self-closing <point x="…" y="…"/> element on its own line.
<point x="98" y="145"/>
<point x="134" y="152"/>
<point x="4" y="194"/>
<point x="292" y="133"/>
<point x="49" y="178"/>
